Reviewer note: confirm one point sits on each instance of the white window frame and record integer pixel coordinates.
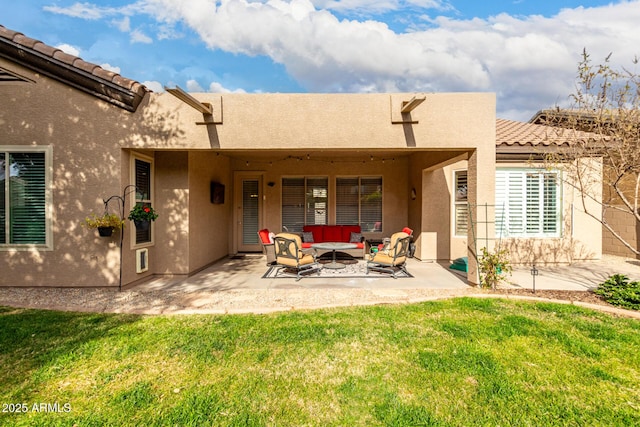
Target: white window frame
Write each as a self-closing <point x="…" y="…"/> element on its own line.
<point x="133" y="199"/>
<point x="460" y="202"/>
<point x="48" y="176"/>
<point x="518" y="203"/>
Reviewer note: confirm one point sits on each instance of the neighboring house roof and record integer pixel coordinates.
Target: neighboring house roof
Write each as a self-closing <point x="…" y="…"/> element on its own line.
<point x="513" y="133"/>
<point x="517" y="139"/>
<point x="69" y="69"/>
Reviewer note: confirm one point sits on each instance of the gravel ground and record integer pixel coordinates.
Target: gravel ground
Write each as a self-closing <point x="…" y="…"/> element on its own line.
<point x="236" y="300"/>
<point x="262" y="300"/>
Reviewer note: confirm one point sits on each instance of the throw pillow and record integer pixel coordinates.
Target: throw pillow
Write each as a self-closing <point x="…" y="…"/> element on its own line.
<point x="355" y="237"/>
<point x="307" y="237"/>
<point x="271" y="236"/>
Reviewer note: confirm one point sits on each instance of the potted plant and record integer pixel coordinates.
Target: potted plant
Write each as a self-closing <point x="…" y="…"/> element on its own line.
<point x="142" y="215"/>
<point x="105" y="223"/>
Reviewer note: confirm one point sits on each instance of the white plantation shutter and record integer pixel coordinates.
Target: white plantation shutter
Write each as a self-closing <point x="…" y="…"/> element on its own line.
<point x="516" y="199"/>
<point x="461" y="208"/>
<point x="551" y="205"/>
<point x="527" y="203"/>
<point x="533" y="203"/>
<point x="143" y="195"/>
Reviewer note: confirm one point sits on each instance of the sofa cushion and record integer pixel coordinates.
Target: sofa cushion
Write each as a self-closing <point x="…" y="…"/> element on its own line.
<point x="355" y="237"/>
<point x="333" y="233"/>
<point x="317" y="230"/>
<point x="347" y="230"/>
<point x="264" y="236"/>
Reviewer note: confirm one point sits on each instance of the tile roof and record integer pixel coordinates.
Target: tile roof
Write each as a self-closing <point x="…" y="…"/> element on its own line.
<point x="510" y="133"/>
<point x="70" y="69"/>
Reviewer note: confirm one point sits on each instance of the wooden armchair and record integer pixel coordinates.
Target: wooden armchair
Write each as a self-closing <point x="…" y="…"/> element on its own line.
<point x="391" y="260"/>
<point x="289" y="255"/>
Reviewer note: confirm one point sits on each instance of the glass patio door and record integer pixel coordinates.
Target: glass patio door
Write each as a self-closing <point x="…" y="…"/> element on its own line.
<point x="249" y="215"/>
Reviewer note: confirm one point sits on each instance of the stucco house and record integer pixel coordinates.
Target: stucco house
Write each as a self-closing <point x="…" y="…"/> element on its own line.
<point x="219" y="167"/>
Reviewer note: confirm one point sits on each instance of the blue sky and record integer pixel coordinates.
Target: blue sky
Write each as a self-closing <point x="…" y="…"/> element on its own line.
<point x="526" y="51"/>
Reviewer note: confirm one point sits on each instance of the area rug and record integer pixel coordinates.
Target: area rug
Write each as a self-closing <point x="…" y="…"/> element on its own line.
<point x="353" y="269"/>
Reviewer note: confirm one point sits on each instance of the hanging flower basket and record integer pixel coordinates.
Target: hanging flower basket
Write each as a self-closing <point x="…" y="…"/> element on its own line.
<point x="142" y="213"/>
<point x="105" y="223"/>
<point x="105" y="231"/>
<point x="141" y="224"/>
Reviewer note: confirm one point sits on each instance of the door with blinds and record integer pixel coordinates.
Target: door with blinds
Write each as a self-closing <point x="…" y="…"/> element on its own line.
<point x="248" y="213"/>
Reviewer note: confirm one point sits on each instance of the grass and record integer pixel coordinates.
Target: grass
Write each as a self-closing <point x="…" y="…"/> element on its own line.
<point x="448" y="363"/>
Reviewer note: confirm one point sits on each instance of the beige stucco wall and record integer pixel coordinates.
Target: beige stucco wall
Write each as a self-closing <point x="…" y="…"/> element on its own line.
<point x="92" y="144"/>
<point x="84" y="134"/>
<point x="317" y="121"/>
<point x="581" y="237"/>
<point x="210" y="225"/>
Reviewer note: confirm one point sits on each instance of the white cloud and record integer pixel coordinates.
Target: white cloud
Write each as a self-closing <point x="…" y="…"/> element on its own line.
<point x="80" y="10"/>
<point x="530" y="62"/>
<point x="111" y="68"/>
<point x="124" y="24"/>
<point x="194" y="86"/>
<point x="372" y="7"/>
<point x="67" y="48"/>
<point x="216" y="87"/>
<point x="137" y="36"/>
<point x="154" y="86"/>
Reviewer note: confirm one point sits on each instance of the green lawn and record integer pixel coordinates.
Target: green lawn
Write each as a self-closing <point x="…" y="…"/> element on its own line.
<point x="459" y="362"/>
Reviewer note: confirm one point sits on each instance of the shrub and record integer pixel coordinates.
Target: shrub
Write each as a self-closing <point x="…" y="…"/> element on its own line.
<point x="619" y="291"/>
<point x="494" y="267"/>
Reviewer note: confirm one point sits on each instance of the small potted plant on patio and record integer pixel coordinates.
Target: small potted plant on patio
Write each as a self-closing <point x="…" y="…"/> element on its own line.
<point x="142" y="215"/>
<point x="105" y="223"/>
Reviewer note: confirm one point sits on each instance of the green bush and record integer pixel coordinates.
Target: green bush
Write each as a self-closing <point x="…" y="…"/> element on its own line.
<point x="618" y="290"/>
<point x="494" y="267"/>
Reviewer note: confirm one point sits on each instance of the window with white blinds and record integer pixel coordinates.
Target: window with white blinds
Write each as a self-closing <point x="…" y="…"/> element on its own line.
<point x="359" y="201"/>
<point x="304" y="201"/>
<point x="143" y="178"/>
<point x="461" y="207"/>
<point x="527" y="203"/>
<point x="23" y="197"/>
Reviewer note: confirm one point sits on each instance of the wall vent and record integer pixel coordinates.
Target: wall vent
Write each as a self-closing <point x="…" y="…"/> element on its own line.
<point x="142" y="260"/>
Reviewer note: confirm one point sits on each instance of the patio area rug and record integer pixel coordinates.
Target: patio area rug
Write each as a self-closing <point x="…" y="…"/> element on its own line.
<point x="353" y="269"/>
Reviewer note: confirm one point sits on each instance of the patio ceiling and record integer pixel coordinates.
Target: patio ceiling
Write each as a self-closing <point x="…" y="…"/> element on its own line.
<point x="326" y="155"/>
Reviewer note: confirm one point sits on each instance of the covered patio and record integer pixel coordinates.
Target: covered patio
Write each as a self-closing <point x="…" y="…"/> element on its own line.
<point x="246" y="272"/>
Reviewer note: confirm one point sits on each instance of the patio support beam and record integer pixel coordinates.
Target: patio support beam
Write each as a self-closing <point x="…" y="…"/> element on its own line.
<point x="409" y="106"/>
<point x="203" y="107"/>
